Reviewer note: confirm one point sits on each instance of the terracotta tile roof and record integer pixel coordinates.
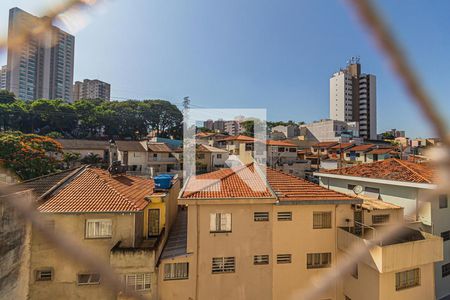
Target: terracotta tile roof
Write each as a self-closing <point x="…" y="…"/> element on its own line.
<point x="134" y="146"/>
<point x="286" y="187"/>
<point x="158" y="147"/>
<point x="362" y="147"/>
<point x="324" y="144"/>
<point x="280" y="143"/>
<point x="389" y="169"/>
<point x="291" y="188"/>
<point x="241" y="138"/>
<point x="375" y="204"/>
<point x="94" y="190"/>
<point x="43" y="184"/>
<point x="76" y="144"/>
<point x="206" y="148"/>
<point x="341" y="146"/>
<point x="380" y="151"/>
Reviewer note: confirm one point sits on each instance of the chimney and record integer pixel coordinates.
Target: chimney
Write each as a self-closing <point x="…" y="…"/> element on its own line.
<point x="112" y="152"/>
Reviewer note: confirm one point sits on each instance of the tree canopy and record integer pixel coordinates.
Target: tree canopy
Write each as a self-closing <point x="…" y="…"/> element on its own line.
<point x="29" y="155"/>
<point x="90" y="118"/>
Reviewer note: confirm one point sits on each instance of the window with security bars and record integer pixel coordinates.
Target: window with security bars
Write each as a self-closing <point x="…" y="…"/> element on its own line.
<point x="99" y="228"/>
<point x="445" y="270"/>
<point x="44" y="275"/>
<point x="260" y="216"/>
<point x="445" y="235"/>
<point x="88" y="278"/>
<point x="223" y="265"/>
<point x="176" y="271"/>
<point x="284" y="216"/>
<point x="321" y="219"/>
<point x="443" y="201"/>
<point x="220" y="222"/>
<point x="380" y="219"/>
<point x="261" y="259"/>
<point x="407" y="279"/>
<point x="284" y="258"/>
<point x="318" y="260"/>
<point x="137" y="282"/>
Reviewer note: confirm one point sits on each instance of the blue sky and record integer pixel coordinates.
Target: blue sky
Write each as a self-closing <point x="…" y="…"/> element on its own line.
<point x="277" y="55"/>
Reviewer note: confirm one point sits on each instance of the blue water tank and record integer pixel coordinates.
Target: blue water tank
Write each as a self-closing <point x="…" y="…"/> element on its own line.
<point x="163" y="181"/>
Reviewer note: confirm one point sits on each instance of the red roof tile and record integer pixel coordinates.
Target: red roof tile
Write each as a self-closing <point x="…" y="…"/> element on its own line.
<point x="280" y="143"/>
<point x="324" y="145"/>
<point x="389" y="169"/>
<point x="341" y="146"/>
<point x="241" y="138"/>
<point x="237" y="183"/>
<point x="94" y="190"/>
<point x="380" y="151"/>
<point x="362" y="147"/>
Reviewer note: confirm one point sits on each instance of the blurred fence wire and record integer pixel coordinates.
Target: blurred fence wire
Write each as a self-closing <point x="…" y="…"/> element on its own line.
<point x="377" y="30"/>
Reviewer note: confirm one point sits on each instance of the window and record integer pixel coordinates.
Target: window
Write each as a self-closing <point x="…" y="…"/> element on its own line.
<point x="445" y="270"/>
<point x="201" y="156"/>
<point x="220" y="222"/>
<point x="261" y="259"/>
<point x="284" y="216"/>
<point x="155" y="155"/>
<point x="219" y="156"/>
<point x="351" y="186"/>
<point x="445" y="235"/>
<point x="443" y="201"/>
<point x="261" y="216"/>
<point x="284" y="258"/>
<point x="318" y="260"/>
<point x="372" y="190"/>
<point x="292" y="149"/>
<point x="93" y="278"/>
<point x="407" y="279"/>
<point x="176" y="271"/>
<point x="98" y="228"/>
<point x="44" y="275"/>
<point x="137" y="282"/>
<point x="281" y="149"/>
<point x="355" y="271"/>
<point x="223" y="265"/>
<point x="321" y="219"/>
<point x="380" y="219"/>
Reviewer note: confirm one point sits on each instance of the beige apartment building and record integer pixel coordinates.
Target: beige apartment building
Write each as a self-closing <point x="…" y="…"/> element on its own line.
<point x="121" y="220"/>
<point x="91" y="89"/>
<point x="240" y="238"/>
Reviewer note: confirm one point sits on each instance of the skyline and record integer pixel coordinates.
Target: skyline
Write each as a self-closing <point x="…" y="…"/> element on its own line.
<point x="226" y="55"/>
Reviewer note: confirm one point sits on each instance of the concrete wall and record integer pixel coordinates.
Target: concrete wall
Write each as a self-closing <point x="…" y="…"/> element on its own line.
<point x="64" y="284"/>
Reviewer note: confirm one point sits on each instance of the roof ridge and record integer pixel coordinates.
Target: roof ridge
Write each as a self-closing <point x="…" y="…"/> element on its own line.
<point x="410" y="169"/>
<point x="219" y="179"/>
<point x="114" y="190"/>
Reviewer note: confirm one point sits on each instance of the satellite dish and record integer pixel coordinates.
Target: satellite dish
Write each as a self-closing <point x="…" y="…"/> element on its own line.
<point x="358" y="189"/>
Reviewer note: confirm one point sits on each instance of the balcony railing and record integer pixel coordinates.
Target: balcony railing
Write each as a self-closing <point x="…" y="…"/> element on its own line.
<point x="161" y="160"/>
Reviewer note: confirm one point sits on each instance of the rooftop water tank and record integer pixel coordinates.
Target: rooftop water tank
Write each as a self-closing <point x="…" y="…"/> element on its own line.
<point x="163" y="181"/>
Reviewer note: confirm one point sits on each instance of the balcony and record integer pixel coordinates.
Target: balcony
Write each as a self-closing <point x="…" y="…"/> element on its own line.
<point x="409" y="248"/>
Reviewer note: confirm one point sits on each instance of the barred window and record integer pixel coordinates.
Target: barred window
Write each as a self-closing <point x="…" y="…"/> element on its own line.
<point x="318" y="260"/>
<point x="261" y="259"/>
<point x="445" y="235"/>
<point x="284" y="216"/>
<point x="89" y="278"/>
<point x="321" y="219"/>
<point x="101" y="228"/>
<point x="380" y="219"/>
<point x="261" y="216"/>
<point x="44" y="275"/>
<point x="445" y="270"/>
<point x="220" y="222"/>
<point x="176" y="271"/>
<point x="284" y="258"/>
<point x="443" y="201"/>
<point x="407" y="279"/>
<point x="223" y="265"/>
<point x="137" y="282"/>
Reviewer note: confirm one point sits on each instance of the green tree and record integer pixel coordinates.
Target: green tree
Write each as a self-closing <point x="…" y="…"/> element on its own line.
<point x="29" y="155"/>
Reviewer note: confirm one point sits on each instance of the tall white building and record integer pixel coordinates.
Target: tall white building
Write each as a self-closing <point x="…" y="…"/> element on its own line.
<point x="3" y="74"/>
<point x="353" y="98"/>
<point x="41" y="67"/>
